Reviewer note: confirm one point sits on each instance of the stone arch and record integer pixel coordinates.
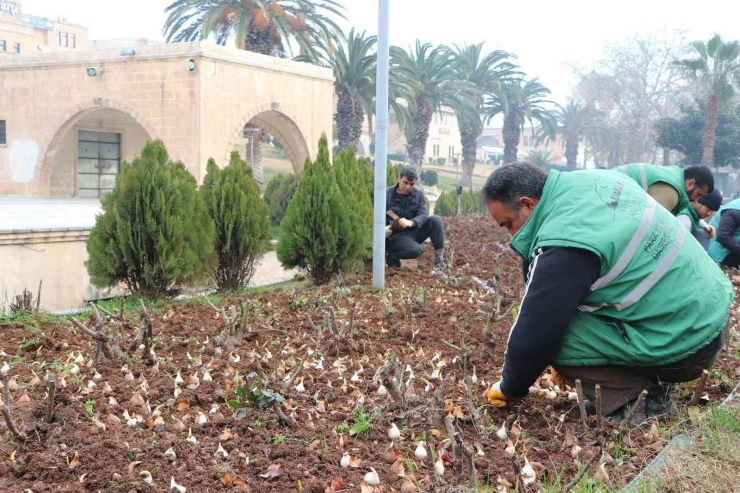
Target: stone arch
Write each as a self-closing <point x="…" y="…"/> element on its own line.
<point x="281" y="123"/>
<point x="70" y="118"/>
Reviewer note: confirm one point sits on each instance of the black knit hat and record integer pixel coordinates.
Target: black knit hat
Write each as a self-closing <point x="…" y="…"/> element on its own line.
<point x="713" y="200"/>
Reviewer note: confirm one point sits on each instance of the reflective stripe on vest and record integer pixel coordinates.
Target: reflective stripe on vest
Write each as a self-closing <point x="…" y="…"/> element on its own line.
<point x="632" y="248"/>
<point x="643" y="174"/>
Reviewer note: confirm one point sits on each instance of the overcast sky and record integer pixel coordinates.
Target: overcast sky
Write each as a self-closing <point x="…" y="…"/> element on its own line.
<point x="548" y="37"/>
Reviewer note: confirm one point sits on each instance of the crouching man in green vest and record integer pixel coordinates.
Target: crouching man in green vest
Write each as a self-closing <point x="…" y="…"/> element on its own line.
<point x="617" y="294"/>
<point x="725" y="247"/>
<point x="675" y="189"/>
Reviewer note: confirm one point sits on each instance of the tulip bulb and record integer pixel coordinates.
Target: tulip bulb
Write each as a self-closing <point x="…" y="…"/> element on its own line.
<point x="389" y="456"/>
<point x="175" y="486"/>
<point x="510" y="449"/>
<point x="178" y="378"/>
<point x="5" y="368"/>
<point x="300" y="387"/>
<point x="97" y="376"/>
<point x="201" y="419"/>
<point x="439" y="467"/>
<point x="394" y="432"/>
<point x="528" y="473"/>
<point x="501" y="434"/>
<point x="372" y="478"/>
<point x="74" y="370"/>
<point x="408" y="487"/>
<point x="207" y="376"/>
<point x="421" y="451"/>
<point x="345" y="460"/>
<point x="221" y="451"/>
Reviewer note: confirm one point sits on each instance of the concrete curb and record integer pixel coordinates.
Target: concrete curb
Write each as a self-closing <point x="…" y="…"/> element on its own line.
<point x="679" y="442"/>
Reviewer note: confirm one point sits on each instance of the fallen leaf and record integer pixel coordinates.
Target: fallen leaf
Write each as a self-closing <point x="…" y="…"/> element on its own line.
<point x="226" y="435"/>
<point x="354" y="461"/>
<point x="335" y="485"/>
<point x="315" y="446"/>
<point x="694" y="414"/>
<point x="227" y="479"/>
<point x="273" y="471"/>
<point x="75" y="461"/>
<point x="183" y="405"/>
<point x="366" y="488"/>
<point x="132" y="465"/>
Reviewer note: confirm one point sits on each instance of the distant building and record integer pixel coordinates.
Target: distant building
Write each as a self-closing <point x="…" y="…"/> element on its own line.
<point x="22" y="33"/>
<point x="491" y="146"/>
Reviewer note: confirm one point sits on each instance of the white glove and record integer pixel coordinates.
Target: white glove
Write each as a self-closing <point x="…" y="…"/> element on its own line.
<point x="388" y="231"/>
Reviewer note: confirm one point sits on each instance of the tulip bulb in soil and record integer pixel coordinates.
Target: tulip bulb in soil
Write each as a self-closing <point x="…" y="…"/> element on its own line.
<point x="439" y="467"/>
<point x="5" y="368"/>
<point x="528" y="473"/>
<point x="372" y="478"/>
<point x="397" y="468"/>
<point x="389" y="456"/>
<point x="178" y="379"/>
<point x="501" y="434"/>
<point x="572" y="396"/>
<point x="207" y="376"/>
<point x="408" y="486"/>
<point x="300" y="387"/>
<point x="421" y="451"/>
<point x="510" y="449"/>
<point x="394" y="432"/>
<point x="382" y="390"/>
<point x="345" y="460"/>
<point x="201" y="419"/>
<point x="175" y="486"/>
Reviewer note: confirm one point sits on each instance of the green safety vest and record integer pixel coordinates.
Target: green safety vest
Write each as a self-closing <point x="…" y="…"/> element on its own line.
<point x="716" y="250"/>
<point x="647" y="175"/>
<point x="659" y="298"/>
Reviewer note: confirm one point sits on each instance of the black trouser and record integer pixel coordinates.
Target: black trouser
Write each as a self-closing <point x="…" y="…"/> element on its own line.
<point x="407" y="244"/>
<point x="732" y="261"/>
<point x="621" y="385"/>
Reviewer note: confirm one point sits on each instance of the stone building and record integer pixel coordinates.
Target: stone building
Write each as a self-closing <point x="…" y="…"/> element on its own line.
<point x="69" y="118"/>
<point x="22" y="33"/>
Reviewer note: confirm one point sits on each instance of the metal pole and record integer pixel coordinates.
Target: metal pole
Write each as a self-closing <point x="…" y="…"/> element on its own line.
<point x="381" y="144"/>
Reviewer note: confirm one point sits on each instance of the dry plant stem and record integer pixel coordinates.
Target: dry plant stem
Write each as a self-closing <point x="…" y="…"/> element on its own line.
<point x="390" y="381"/>
<point x="318" y="328"/>
<point x="51" y="380"/>
<point x="626" y="422"/>
<point x="295" y="374"/>
<point x="581" y="402"/>
<point x="699" y="388"/>
<point x="456" y="449"/>
<point x="464" y="352"/>
<point x="469" y="454"/>
<point x="599" y="417"/>
<point x="469" y="402"/>
<point x="97" y="354"/>
<point x="38" y="296"/>
<point x="19" y="435"/>
<point x="583" y="471"/>
<point x="433" y="479"/>
<point x="284" y="418"/>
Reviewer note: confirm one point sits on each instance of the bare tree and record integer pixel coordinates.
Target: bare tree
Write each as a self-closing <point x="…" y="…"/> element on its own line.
<point x="635" y="84"/>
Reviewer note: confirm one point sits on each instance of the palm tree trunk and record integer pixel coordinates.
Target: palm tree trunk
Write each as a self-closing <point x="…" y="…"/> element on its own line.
<point x="571" y="151"/>
<point x="469" y="141"/>
<point x="511" y="134"/>
<point x="349" y="118"/>
<point x="421" y="120"/>
<point x="666" y="156"/>
<point x="711" y="113"/>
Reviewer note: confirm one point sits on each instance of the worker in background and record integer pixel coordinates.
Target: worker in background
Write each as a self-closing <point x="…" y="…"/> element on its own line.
<point x="413" y="227"/>
<point x="725" y="247"/>
<point x="674" y="188"/>
<point x="616" y="293"/>
<point x="705" y="209"/>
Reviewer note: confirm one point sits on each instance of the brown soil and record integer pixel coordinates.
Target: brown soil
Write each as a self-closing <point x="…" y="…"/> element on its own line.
<point x="188" y="339"/>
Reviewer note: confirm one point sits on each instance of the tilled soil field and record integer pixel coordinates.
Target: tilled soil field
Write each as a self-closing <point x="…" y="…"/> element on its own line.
<point x="306" y="386"/>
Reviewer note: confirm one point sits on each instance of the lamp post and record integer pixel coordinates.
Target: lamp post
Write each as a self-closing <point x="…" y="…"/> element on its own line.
<point x="381" y="143"/>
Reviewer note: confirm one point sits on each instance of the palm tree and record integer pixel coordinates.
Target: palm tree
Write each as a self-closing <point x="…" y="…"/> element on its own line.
<point x="575" y="123"/>
<point x="354" y="74"/>
<point x="488" y="74"/>
<point x="261" y="26"/>
<point x="430" y="76"/>
<point x="269" y="27"/>
<point x="539" y="158"/>
<point x="717" y="69"/>
<point x="519" y="101"/>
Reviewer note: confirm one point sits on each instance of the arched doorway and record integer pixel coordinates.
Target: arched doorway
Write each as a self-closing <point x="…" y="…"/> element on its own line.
<point x="84" y="156"/>
<point x="273" y="126"/>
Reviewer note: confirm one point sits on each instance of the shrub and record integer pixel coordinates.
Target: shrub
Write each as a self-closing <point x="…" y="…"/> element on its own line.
<point x="396" y="157"/>
<point x="317" y="233"/>
<point x="392" y="172"/>
<point x="239" y="214"/>
<point x="155" y="232"/>
<point x="351" y="180"/>
<point x="272" y="186"/>
<point x="441" y="161"/>
<point x="471" y="203"/>
<point x="429" y="177"/>
<point x="282" y="196"/>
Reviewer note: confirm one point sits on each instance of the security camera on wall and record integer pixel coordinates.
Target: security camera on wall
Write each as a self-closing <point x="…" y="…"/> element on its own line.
<point x="94" y="71"/>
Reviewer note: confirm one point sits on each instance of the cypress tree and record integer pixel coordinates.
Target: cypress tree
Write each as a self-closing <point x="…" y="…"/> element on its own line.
<point x="352" y="185"/>
<point x="233" y="200"/>
<point x="281" y="197"/>
<point x="317" y="233"/>
<point x="155" y="233"/>
<point x="272" y="187"/>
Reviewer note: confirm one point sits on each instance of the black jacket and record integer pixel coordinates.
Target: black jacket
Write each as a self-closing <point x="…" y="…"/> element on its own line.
<point x="557" y="279"/>
<point x="729" y="223"/>
<point x="416" y="206"/>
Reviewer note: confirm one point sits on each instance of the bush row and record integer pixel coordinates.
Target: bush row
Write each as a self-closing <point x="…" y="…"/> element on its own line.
<point x="471" y="203"/>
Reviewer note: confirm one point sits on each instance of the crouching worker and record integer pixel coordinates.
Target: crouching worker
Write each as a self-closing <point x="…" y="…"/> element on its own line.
<point x="413" y="227"/>
<point x="617" y="294"/>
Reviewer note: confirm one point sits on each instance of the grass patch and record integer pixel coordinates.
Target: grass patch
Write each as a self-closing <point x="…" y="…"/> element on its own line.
<point x="710" y="463"/>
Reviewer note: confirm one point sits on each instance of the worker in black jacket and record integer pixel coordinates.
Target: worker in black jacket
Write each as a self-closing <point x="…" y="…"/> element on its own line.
<point x="414" y="227"/>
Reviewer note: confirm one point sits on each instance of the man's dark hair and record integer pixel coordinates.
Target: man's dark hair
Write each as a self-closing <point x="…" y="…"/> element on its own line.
<point x="409" y="172"/>
<point x="514" y="181"/>
<point x="702" y="174"/>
